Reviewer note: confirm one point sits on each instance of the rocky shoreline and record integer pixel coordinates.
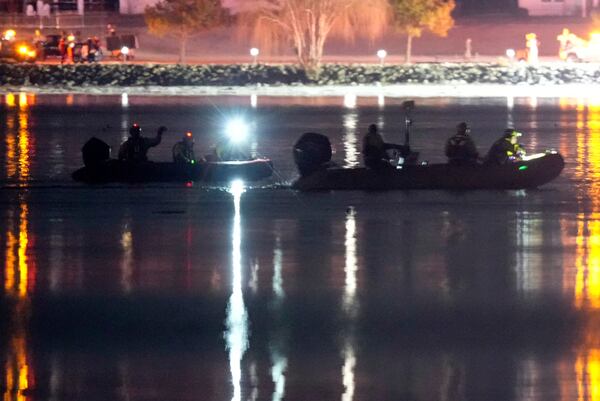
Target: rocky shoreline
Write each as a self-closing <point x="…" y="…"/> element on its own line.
<point x="244" y="75"/>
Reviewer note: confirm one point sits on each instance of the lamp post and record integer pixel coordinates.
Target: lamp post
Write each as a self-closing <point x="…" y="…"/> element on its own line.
<point x="381" y="53"/>
<point x="254" y="52"/>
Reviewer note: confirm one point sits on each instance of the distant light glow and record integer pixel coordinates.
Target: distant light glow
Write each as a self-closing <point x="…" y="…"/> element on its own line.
<point x="237" y="130"/>
<point x="523" y="168"/>
<point x="350" y="100"/>
<point x="253" y="100"/>
<point x="381" y="53"/>
<point x="124" y="50"/>
<point x="236" y="188"/>
<point x="124" y="99"/>
<point x="511" y="53"/>
<point x="254" y="52"/>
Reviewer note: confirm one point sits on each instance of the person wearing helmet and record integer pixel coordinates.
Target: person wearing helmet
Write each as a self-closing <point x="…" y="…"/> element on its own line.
<point x="136" y="147"/>
<point x="506" y="148"/>
<point x="460" y="148"/>
<point x="183" y="151"/>
<point x="375" y="149"/>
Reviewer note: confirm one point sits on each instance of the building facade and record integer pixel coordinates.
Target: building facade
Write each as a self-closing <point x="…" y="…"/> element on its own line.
<point x="559" y="7"/>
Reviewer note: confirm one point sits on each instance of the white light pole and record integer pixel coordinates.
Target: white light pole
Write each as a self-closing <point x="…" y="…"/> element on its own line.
<point x="382" y="54"/>
<point x="254" y="52"/>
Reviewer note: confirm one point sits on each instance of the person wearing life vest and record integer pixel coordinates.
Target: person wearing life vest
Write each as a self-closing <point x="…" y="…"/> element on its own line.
<point x="135" y="148"/>
<point x="506" y="149"/>
<point x="375" y="149"/>
<point x="183" y="151"/>
<point x="460" y="148"/>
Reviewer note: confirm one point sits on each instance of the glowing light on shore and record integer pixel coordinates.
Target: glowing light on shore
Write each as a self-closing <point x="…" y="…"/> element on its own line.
<point x="382" y="54"/>
<point x="350" y="100"/>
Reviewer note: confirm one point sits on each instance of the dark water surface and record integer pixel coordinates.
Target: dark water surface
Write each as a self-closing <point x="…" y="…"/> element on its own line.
<point x="175" y="292"/>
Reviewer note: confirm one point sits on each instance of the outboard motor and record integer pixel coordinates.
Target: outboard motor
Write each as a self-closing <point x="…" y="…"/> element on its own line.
<point x="95" y="152"/>
<point x="312" y="152"/>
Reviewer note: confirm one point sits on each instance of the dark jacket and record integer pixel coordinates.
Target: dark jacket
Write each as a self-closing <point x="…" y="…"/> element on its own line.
<point x="460" y="148"/>
<point x="135" y="149"/>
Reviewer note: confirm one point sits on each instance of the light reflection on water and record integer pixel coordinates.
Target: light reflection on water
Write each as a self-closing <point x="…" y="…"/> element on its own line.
<point x="357" y="249"/>
<point x="236" y="334"/>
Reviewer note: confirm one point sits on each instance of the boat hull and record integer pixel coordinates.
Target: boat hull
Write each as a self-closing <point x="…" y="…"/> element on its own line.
<point x="121" y="171"/>
<point x="516" y="175"/>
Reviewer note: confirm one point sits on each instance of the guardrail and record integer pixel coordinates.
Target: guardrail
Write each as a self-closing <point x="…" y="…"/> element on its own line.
<point x="69" y="20"/>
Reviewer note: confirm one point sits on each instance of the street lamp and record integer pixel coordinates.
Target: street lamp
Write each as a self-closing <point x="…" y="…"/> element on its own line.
<point x="382" y="55"/>
<point x="254" y="52"/>
<point x="511" y="53"/>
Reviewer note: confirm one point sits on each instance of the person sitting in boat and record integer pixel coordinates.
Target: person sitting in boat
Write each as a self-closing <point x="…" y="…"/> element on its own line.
<point x="183" y="151"/>
<point x="506" y="149"/>
<point x="460" y="148"/>
<point x="136" y="146"/>
<point x="375" y="149"/>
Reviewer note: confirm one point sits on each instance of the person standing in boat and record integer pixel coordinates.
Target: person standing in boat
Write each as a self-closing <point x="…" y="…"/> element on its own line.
<point x="506" y="148"/>
<point x="135" y="148"/>
<point x="460" y="148"/>
<point x="183" y="151"/>
<point x="375" y="149"/>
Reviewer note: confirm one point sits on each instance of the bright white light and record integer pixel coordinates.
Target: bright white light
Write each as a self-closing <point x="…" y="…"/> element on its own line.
<point x="124" y="99"/>
<point x="236" y="188"/>
<point x="237" y="130"/>
<point x="253" y="100"/>
<point x="350" y="100"/>
<point x="254" y="52"/>
<point x="125" y="50"/>
<point x="511" y="53"/>
<point x="381" y="54"/>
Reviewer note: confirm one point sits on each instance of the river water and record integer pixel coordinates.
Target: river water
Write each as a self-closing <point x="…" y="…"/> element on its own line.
<point x="257" y="292"/>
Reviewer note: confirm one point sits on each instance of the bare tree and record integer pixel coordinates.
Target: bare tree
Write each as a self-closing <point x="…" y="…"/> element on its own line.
<point x="414" y="16"/>
<point x="307" y="24"/>
<point x="183" y="19"/>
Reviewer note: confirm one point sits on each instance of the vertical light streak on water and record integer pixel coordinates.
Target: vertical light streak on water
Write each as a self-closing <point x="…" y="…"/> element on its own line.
<point x="587" y="281"/>
<point x="124" y="100"/>
<point x="453" y="380"/>
<point x="533" y="105"/>
<point x="127" y="259"/>
<point x="11" y="146"/>
<point x="587" y="373"/>
<point x="528" y="380"/>
<point x="17" y="285"/>
<point x="69" y="100"/>
<point x="350" y="305"/>
<point x="56" y="377"/>
<point x="277" y="270"/>
<point x="348" y="379"/>
<point x="24" y="143"/>
<point x="351" y="151"/>
<point x="278" y="374"/>
<point x="565" y="105"/>
<point x="510" y="106"/>
<point x="236" y="335"/>
<point x="278" y="357"/>
<point x="57" y="245"/>
<point x="529" y="235"/>
<point x="253" y="100"/>
<point x="351" y="265"/>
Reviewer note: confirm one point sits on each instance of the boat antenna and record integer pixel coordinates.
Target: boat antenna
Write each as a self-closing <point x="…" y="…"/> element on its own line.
<point x="408" y="106"/>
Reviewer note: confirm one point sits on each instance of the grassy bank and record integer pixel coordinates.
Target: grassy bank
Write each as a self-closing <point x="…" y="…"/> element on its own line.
<point x="132" y="75"/>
